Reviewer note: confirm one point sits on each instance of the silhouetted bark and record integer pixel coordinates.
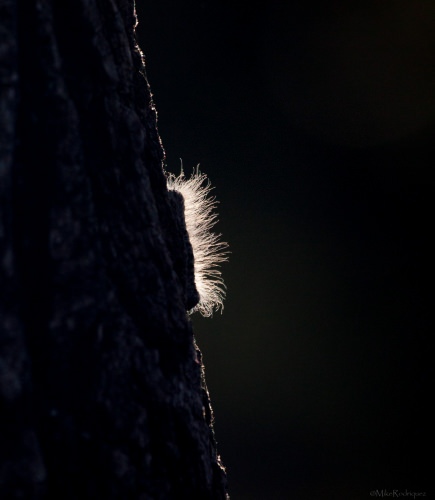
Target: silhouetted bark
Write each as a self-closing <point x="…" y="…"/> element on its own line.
<point x="102" y="392"/>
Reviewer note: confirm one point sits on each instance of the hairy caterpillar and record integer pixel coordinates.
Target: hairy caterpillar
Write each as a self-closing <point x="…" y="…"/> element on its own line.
<point x="207" y="248"/>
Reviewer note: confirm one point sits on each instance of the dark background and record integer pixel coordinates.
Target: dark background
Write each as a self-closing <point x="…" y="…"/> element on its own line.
<point x="315" y="124"/>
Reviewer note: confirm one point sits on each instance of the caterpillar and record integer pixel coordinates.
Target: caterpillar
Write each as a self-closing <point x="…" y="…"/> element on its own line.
<point x="207" y="248"/>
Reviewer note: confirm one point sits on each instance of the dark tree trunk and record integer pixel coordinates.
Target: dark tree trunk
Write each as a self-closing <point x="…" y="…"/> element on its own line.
<point x="101" y="385"/>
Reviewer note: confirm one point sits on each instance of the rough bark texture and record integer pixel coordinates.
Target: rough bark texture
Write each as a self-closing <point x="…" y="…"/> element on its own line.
<point x="102" y="392"/>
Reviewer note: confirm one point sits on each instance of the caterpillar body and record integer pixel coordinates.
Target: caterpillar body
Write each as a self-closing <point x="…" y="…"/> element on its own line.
<point x="206" y="246"/>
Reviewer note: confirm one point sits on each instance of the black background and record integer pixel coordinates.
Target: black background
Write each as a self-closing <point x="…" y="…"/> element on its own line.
<point x="315" y="123"/>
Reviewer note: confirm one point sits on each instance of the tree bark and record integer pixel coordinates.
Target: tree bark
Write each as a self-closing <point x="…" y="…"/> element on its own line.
<point x="102" y="391"/>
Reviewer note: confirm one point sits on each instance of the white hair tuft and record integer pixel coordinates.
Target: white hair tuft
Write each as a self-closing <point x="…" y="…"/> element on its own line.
<point x="208" y="250"/>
